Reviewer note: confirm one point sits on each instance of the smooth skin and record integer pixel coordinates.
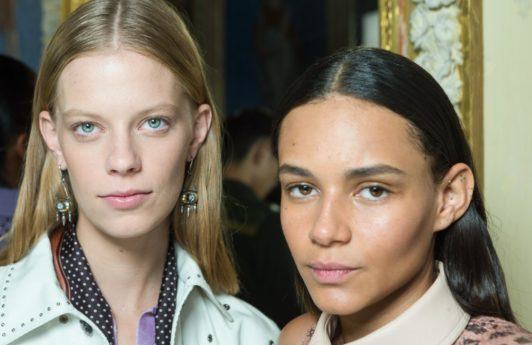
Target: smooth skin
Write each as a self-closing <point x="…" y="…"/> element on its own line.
<point x="358" y="192"/>
<point x="122" y="122"/>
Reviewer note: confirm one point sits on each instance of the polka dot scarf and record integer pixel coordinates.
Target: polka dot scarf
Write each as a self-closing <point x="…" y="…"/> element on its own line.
<point x="167" y="298"/>
<point x="87" y="297"/>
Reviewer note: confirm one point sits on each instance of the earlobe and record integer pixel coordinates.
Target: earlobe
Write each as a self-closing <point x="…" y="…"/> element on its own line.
<point x="49" y="133"/>
<point x="454" y="194"/>
<point x="200" y="129"/>
<point x="257" y="152"/>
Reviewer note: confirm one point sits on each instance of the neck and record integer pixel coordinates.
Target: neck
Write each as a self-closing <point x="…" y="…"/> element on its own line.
<point x="128" y="271"/>
<point x="370" y="319"/>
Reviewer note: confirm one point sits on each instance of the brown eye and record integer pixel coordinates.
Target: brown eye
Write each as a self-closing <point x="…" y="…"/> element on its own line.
<point x="301" y="191"/>
<point x="305" y="189"/>
<point x="376" y="191"/>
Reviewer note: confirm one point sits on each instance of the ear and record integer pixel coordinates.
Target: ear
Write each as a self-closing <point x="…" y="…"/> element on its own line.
<point x="49" y="133"/>
<point x="454" y="195"/>
<point x="258" y="151"/>
<point x="20" y="145"/>
<point x="200" y="129"/>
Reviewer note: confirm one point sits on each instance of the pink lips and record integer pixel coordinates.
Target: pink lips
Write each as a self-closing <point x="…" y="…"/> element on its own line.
<point x="330" y="273"/>
<point x="126" y="200"/>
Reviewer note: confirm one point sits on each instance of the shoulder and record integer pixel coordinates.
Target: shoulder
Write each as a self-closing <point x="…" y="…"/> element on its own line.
<point x="299" y="330"/>
<point x="250" y="321"/>
<point x="484" y="330"/>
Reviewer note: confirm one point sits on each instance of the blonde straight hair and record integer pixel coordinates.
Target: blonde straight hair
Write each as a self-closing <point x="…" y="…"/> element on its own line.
<point x="155" y="29"/>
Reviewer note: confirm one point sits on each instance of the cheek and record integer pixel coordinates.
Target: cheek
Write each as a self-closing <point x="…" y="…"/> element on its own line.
<point x="287" y="224"/>
<point x="296" y="223"/>
<point x="166" y="164"/>
<point x="396" y="233"/>
<point x="85" y="167"/>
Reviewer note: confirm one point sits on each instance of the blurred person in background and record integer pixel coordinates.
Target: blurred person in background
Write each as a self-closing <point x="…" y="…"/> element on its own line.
<point x="16" y="92"/>
<point x="261" y="253"/>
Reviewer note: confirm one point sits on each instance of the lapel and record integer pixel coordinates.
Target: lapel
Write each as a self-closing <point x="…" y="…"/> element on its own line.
<point x="190" y="276"/>
<point x="31" y="295"/>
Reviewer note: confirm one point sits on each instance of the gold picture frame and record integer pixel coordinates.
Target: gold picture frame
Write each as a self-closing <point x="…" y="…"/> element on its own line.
<point x="394" y="36"/>
<point x="68" y="6"/>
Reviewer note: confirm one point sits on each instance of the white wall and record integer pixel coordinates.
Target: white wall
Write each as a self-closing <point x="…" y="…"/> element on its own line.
<point x="508" y="142"/>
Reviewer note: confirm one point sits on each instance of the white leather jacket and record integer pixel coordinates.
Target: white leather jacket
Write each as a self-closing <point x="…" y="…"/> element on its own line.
<point x="34" y="309"/>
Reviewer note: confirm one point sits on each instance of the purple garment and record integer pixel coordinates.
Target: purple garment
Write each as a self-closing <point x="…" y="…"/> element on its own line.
<point x="146" y="327"/>
<point x="8" y="201"/>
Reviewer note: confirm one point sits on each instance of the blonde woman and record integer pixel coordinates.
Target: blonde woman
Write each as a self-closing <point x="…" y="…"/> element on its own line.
<point x="117" y="233"/>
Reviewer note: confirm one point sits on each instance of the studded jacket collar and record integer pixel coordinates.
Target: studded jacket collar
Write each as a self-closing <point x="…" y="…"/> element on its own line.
<point x="34" y="309"/>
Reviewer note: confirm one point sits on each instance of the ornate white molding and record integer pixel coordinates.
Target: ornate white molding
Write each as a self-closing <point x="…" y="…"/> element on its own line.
<point x="445" y="37"/>
<point x="435" y="33"/>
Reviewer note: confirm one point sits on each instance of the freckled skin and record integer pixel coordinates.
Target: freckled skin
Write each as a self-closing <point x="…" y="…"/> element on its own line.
<point x="389" y="240"/>
<point x="124" y="155"/>
<point x="124" y="128"/>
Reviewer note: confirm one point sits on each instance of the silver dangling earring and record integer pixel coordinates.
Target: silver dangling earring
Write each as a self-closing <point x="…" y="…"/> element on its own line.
<point x="188" y="199"/>
<point x="63" y="207"/>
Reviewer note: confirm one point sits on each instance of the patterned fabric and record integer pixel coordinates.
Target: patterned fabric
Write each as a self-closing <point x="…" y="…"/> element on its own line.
<point x="86" y="296"/>
<point x="167" y="298"/>
<point x="494" y="331"/>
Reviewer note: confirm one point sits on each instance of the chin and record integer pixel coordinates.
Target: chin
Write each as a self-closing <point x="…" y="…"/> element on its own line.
<point x="129" y="227"/>
<point x="337" y="302"/>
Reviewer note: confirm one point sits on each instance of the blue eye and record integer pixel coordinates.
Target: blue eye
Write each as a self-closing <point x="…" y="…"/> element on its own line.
<point x="85" y="128"/>
<point x="301" y="191"/>
<point x="155" y="124"/>
<point x="374" y="193"/>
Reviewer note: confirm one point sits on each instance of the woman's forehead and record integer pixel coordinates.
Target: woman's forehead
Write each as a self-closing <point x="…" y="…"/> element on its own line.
<point x="117" y="79"/>
<point x="345" y="130"/>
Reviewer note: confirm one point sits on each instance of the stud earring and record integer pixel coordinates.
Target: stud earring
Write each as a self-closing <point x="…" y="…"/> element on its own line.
<point x="188" y="199"/>
<point x="63" y="206"/>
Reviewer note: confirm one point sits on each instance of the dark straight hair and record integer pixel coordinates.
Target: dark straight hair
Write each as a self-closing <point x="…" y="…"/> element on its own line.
<point x="472" y="268"/>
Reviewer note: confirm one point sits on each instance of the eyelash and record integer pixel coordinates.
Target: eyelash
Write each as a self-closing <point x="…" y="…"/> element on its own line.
<point x="77" y="127"/>
<point x="163" y="120"/>
<point x="384" y="192"/>
<point x="297" y="187"/>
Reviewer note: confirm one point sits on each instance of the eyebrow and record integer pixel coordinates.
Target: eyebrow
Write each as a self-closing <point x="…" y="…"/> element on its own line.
<point x="380" y="169"/>
<point x="294" y="170"/>
<point x="158" y="107"/>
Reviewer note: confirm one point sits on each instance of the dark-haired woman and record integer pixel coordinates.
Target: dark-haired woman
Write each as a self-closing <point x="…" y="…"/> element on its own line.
<point x="381" y="211"/>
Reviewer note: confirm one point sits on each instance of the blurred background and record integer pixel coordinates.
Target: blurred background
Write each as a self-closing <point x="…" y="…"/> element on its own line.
<point x="255" y="49"/>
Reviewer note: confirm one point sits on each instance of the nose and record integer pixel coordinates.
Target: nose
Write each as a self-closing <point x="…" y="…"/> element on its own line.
<point x="123" y="158"/>
<point x="331" y="225"/>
